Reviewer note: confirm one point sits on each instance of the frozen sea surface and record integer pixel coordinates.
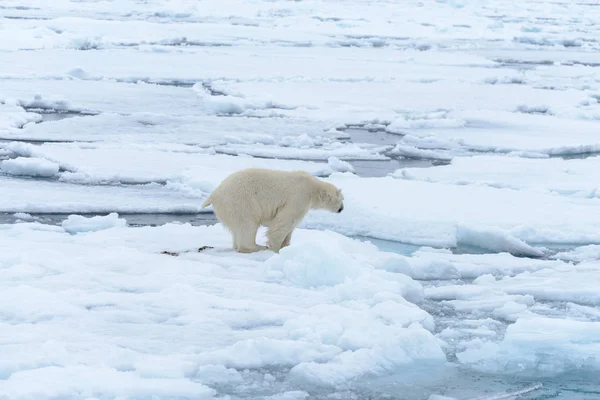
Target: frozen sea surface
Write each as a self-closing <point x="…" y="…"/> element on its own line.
<point x="464" y="135"/>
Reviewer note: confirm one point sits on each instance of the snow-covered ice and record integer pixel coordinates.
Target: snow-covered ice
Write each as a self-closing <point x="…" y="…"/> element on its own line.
<point x="549" y="345"/>
<point x="106" y="305"/>
<point x="117" y="110"/>
<point x="78" y="224"/>
<point x="571" y="177"/>
<point x="446" y="215"/>
<point x="29" y="166"/>
<point x="195" y="166"/>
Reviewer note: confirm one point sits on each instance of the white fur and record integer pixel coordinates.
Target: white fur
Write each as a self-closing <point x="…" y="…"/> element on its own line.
<point x="279" y="200"/>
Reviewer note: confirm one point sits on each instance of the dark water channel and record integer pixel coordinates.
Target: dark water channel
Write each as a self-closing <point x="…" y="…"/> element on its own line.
<point x="133" y="219"/>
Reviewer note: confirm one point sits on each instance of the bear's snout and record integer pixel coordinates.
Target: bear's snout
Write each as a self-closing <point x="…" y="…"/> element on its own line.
<point x="341" y="209"/>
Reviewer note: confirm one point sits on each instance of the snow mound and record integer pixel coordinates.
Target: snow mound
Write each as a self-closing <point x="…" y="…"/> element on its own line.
<point x="78" y="73"/>
<point x="79" y="224"/>
<point x="313" y="266"/>
<point x="26" y="166"/>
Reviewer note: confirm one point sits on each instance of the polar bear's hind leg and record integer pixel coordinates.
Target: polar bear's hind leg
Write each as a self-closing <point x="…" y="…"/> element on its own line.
<point x="234" y="240"/>
<point x="246" y="238"/>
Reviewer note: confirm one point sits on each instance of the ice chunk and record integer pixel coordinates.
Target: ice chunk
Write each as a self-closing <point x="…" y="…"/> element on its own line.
<point x="413" y="152"/>
<point x="79" y="224"/>
<point x="261" y="352"/>
<point x="412" y="346"/>
<point x="12" y="116"/>
<point x="339" y="166"/>
<point x="229" y="104"/>
<point x="313" y="266"/>
<point x="24" y="216"/>
<point x="495" y="239"/>
<point x="26" y="166"/>
<point x="577" y="284"/>
<point x="582" y="253"/>
<point x="302" y="141"/>
<point x="433" y="269"/>
<point x="48" y="104"/>
<point x="510" y="311"/>
<point x="217" y="374"/>
<point x="540" y="345"/>
<point x="79" y="73"/>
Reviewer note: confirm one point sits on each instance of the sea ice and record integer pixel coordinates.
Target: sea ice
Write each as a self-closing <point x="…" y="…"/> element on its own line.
<point x="79" y="224"/>
<point x="13" y="116"/>
<point x="576" y="177"/>
<point x="445" y="215"/>
<point x="197" y="167"/>
<point x="139" y="98"/>
<point x="24" y="166"/>
<point x="582" y="253"/>
<point x="21" y="195"/>
<point x="155" y="320"/>
<point x="543" y="346"/>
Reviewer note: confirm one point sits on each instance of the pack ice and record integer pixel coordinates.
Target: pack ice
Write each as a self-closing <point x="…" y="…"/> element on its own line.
<point x="464" y="135"/>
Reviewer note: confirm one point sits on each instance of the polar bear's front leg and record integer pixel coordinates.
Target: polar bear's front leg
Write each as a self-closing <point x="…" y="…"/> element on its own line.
<point x="287" y="240"/>
<point x="281" y="227"/>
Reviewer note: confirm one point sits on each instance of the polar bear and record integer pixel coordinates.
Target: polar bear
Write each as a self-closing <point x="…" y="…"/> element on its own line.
<point x="279" y="200"/>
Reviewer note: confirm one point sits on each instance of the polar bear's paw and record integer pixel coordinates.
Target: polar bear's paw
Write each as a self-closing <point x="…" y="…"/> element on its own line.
<point x="251" y="249"/>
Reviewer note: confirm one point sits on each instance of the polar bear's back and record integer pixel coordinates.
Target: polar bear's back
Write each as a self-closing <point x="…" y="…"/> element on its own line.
<point x="261" y="192"/>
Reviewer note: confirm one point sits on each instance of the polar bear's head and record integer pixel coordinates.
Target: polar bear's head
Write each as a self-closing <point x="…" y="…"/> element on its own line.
<point x="331" y="198"/>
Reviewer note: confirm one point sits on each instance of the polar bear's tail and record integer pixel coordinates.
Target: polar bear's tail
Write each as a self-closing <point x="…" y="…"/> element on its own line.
<point x="207" y="202"/>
